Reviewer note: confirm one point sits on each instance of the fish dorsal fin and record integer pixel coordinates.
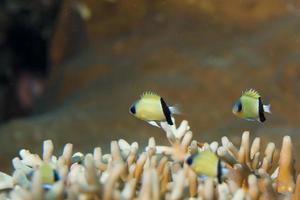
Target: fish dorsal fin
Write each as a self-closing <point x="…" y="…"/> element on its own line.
<point x="149" y="94"/>
<point x="251" y="93"/>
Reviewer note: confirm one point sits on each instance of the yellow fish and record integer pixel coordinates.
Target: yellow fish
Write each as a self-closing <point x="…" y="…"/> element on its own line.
<point x="48" y="174"/>
<point x="153" y="109"/>
<point x="250" y="107"/>
<point x="206" y="163"/>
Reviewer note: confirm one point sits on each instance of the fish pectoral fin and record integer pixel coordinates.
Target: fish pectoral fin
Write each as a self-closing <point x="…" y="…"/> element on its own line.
<point x="154" y="123"/>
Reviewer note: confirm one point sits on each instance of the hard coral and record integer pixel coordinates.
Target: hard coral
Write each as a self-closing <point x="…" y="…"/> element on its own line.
<point x="157" y="173"/>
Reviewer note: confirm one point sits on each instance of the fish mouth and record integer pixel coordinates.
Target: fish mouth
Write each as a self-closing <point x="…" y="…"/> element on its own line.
<point x="234" y="111"/>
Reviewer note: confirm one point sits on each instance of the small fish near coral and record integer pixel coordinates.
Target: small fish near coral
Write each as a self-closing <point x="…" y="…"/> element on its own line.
<point x="152" y="108"/>
<point x="250" y="107"/>
<point x="207" y="164"/>
<point x="247" y="171"/>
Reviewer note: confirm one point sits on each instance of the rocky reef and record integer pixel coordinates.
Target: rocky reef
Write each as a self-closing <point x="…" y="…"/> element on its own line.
<point x="156" y="172"/>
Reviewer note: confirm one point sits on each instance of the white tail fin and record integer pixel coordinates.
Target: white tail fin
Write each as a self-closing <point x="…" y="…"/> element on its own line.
<point x="175" y="109"/>
<point x="267" y="108"/>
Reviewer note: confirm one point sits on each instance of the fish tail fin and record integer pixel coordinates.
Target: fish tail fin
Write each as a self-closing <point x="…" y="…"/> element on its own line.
<point x="176" y="109"/>
<point x="267" y="108"/>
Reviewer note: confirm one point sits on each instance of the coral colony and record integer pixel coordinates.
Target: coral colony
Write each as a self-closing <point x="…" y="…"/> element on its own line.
<point x="160" y="172"/>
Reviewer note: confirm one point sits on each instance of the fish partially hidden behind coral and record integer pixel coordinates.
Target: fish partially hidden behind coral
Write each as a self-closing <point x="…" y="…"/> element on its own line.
<point x="128" y="172"/>
<point x="153" y="109"/>
<point x="48" y="175"/>
<point x="206" y="163"/>
<point x="250" y="107"/>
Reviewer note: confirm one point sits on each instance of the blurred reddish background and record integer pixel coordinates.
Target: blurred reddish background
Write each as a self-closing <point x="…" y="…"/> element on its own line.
<point x="70" y="69"/>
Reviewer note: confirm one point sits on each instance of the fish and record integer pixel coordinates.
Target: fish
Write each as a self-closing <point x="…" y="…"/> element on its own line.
<point x="207" y="164"/>
<point x="250" y="107"/>
<point x="48" y="175"/>
<point x="153" y="109"/>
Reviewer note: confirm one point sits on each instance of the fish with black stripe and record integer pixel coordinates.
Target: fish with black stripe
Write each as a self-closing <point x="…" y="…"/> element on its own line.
<point x="250" y="107"/>
<point x="207" y="164"/>
<point x="153" y="109"/>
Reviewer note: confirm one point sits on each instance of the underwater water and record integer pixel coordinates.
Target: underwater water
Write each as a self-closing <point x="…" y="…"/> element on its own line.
<point x="198" y="55"/>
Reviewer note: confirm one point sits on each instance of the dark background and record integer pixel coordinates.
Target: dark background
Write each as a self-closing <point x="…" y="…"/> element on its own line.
<point x="70" y="69"/>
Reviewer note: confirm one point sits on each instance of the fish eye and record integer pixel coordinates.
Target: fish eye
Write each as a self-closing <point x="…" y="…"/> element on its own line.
<point x="239" y="107"/>
<point x="189" y="160"/>
<point x="132" y="109"/>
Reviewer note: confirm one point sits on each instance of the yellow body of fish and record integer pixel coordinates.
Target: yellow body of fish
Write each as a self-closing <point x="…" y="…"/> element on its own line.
<point x="204" y="163"/>
<point x="250" y="107"/>
<point x="153" y="109"/>
<point x="47" y="174"/>
<point x="149" y="108"/>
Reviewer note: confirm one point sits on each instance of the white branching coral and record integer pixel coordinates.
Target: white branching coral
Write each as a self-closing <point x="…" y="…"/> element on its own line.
<point x="180" y="138"/>
<point x="160" y="172"/>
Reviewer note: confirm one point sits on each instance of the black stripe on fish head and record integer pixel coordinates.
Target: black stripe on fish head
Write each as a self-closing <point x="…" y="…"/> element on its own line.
<point x="132" y="109"/>
<point x="166" y="111"/>
<point x="237" y="107"/>
<point x="189" y="160"/>
<point x="240" y="107"/>
<point x="261" y="110"/>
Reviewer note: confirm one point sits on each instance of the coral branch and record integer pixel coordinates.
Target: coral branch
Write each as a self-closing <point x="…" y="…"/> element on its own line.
<point x="159" y="172"/>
